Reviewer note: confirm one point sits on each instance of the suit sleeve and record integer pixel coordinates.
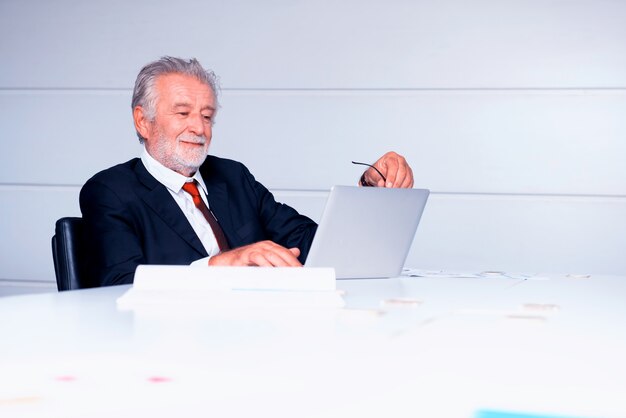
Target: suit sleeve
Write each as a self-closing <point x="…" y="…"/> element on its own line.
<point x="282" y="224"/>
<point x="114" y="246"/>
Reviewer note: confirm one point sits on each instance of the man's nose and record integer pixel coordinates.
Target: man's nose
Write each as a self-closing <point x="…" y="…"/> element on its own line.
<point x="196" y="125"/>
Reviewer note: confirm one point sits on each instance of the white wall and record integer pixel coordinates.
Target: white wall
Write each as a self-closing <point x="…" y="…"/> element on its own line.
<point x="513" y="112"/>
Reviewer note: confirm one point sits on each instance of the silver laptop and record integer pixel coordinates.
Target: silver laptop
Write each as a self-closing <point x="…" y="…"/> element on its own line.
<point x="366" y="232"/>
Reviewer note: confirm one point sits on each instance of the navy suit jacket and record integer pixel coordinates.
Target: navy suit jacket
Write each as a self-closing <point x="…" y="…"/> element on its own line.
<point x="131" y="219"/>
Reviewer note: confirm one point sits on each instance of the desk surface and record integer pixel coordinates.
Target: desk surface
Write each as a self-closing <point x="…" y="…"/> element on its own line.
<point x="403" y="347"/>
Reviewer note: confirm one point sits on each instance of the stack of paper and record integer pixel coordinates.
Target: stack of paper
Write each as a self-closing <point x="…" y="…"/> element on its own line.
<point x="224" y="287"/>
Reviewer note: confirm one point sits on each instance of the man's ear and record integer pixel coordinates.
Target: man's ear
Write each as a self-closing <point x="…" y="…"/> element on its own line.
<point x="142" y="123"/>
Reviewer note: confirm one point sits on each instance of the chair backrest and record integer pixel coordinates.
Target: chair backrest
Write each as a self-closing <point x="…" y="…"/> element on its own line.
<point x="67" y="249"/>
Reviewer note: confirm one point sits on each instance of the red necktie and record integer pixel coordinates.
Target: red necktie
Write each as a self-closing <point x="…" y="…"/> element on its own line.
<point x="192" y="189"/>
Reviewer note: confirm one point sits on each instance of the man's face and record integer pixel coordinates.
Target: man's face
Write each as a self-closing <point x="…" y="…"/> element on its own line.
<point x="180" y="134"/>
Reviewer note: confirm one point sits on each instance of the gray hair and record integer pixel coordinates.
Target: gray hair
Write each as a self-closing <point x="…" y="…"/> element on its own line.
<point x="145" y="94"/>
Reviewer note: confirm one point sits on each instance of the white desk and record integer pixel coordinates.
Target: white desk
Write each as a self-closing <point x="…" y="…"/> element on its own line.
<point x="470" y="346"/>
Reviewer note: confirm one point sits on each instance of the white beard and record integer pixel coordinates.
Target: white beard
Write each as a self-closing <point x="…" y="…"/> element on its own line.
<point x="178" y="156"/>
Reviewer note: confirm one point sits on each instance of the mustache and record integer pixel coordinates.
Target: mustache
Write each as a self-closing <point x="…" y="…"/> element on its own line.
<point x="194" y="139"/>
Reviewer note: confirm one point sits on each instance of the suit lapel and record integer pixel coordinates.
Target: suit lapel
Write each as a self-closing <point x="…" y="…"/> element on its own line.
<point x="159" y="199"/>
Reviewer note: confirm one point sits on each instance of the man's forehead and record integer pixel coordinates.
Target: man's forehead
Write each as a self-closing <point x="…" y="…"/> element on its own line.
<point x="181" y="88"/>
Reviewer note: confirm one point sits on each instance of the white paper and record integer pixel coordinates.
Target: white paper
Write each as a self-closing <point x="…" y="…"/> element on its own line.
<point x="167" y="277"/>
<point x="206" y="299"/>
<point x="232" y="287"/>
<point x="440" y="274"/>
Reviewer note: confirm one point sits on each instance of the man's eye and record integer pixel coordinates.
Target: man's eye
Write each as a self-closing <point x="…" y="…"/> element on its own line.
<point x="208" y="118"/>
<point x="183" y="113"/>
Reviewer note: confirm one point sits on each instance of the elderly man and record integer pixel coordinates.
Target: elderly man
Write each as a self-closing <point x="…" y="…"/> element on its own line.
<point x="177" y="205"/>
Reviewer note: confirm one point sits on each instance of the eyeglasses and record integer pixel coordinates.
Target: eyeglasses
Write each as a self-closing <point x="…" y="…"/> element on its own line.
<point x="369" y="165"/>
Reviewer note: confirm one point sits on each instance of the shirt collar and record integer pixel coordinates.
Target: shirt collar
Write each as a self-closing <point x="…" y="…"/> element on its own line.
<point x="169" y="178"/>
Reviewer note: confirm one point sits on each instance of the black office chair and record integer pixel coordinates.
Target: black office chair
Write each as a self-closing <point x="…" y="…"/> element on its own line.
<point x="67" y="253"/>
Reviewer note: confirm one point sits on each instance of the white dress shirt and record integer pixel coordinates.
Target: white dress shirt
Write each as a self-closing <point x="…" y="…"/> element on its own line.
<point x="174" y="182"/>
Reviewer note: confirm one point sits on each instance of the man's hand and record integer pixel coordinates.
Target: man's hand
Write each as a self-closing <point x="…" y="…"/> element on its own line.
<point x="395" y="169"/>
<point x="263" y="254"/>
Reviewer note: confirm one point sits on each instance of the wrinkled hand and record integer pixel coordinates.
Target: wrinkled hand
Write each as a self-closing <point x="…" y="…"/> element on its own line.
<point x="263" y="254"/>
<point x="395" y="169"/>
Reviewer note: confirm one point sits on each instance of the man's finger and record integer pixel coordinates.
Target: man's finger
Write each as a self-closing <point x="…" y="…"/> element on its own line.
<point x="277" y="255"/>
<point x="390" y="170"/>
<point x="400" y="176"/>
<point x="277" y="260"/>
<point x="256" y="258"/>
<point x="408" y="181"/>
<point x="372" y="176"/>
<point x="284" y="258"/>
